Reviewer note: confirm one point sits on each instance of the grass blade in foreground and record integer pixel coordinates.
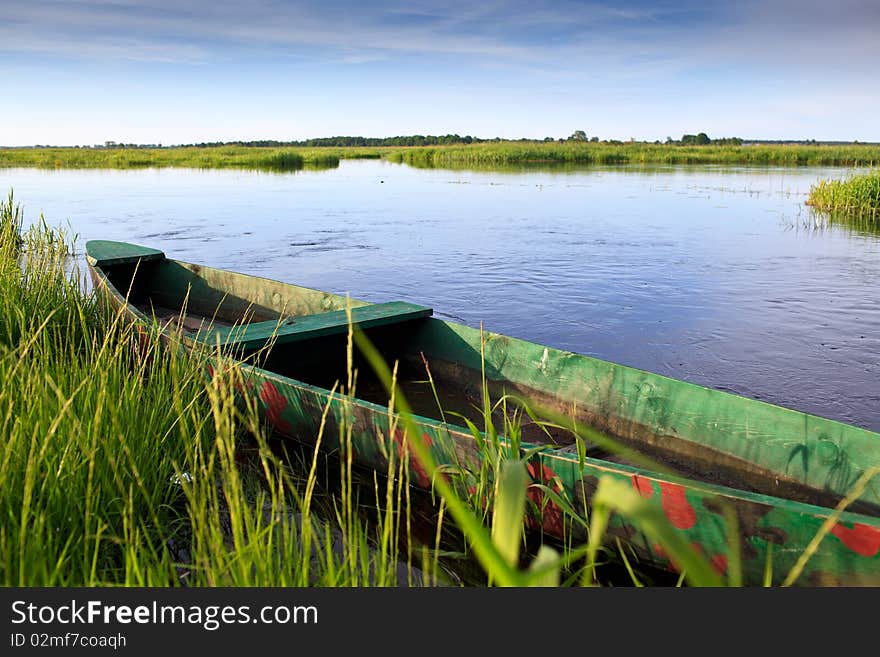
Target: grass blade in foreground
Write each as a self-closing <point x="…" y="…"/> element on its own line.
<point x="612" y="496"/>
<point x="493" y="560"/>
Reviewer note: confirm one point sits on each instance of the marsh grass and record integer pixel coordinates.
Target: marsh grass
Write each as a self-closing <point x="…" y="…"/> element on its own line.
<point x="498" y="156"/>
<point x="74" y="413"/>
<point x="505" y="154"/>
<point x="238" y="157"/>
<point x="855" y="198"/>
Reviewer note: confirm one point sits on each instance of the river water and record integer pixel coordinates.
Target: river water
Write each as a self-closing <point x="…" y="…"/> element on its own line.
<point x="715" y="275"/>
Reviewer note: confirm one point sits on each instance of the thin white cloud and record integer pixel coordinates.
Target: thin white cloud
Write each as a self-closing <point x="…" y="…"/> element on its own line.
<point x="127" y="49"/>
<point x="80" y="28"/>
<point x="559" y="39"/>
<point x="362" y="58"/>
<point x="491" y="29"/>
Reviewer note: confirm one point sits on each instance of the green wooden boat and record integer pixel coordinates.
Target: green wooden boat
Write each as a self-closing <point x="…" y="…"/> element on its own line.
<point x="783" y="471"/>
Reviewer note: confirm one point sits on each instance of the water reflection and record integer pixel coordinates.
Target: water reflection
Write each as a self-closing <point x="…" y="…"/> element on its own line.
<point x="860" y="223"/>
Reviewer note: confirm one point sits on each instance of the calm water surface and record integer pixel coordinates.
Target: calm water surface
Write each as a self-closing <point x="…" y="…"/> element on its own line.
<point x="719" y="276"/>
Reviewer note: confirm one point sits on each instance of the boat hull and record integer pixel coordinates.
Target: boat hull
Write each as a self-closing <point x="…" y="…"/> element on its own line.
<point x="717" y="431"/>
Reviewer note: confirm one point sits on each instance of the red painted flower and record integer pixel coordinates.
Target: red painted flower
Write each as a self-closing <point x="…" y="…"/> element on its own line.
<point x="246" y="387"/>
<point x="416" y="468"/>
<point x="276" y="404"/>
<point x="552" y="515"/>
<point x="719" y="561"/>
<point x="673" y="498"/>
<point x="861" y="539"/>
<point x="676" y="507"/>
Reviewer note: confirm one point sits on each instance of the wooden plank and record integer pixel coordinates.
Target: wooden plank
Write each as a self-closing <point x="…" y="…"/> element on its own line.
<point x="294" y="329"/>
<point x="105" y="253"/>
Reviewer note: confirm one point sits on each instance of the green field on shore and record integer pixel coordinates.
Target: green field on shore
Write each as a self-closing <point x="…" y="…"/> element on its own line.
<point x="478" y="155"/>
<point x="234" y="157"/>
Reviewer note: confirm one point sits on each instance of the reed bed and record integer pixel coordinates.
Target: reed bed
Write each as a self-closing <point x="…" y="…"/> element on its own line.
<point x="602" y="153"/>
<point x="485" y="155"/>
<point x="266" y="159"/>
<point x="857" y="196"/>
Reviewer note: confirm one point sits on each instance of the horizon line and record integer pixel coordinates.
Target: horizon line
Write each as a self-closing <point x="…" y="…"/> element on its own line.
<point x="301" y="142"/>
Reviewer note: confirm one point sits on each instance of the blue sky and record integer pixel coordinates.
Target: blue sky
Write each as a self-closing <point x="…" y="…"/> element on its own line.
<point x="157" y="71"/>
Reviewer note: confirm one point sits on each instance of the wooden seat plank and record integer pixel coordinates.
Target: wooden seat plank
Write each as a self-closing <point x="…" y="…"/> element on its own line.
<point x="105" y="253"/>
<point x="306" y="327"/>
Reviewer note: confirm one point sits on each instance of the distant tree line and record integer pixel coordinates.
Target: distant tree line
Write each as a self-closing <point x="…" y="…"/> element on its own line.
<point x="702" y="139"/>
<point x="113" y="144"/>
<point x="410" y="140"/>
<point x="699" y="139"/>
<point x="811" y="142"/>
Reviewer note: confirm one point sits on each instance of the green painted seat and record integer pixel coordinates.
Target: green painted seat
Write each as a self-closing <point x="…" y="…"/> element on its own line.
<point x="306" y="327"/>
<point x="105" y="253"/>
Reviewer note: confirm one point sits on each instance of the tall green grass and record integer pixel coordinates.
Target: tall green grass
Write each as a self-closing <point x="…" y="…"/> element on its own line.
<point x="500" y="154"/>
<point x="856" y="195"/>
<point x="239" y="157"/>
<point x="486" y="155"/>
<point x="122" y="466"/>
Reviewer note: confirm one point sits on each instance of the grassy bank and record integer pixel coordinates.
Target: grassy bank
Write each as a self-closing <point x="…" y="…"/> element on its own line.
<point x="855" y="196"/>
<point x="124" y="467"/>
<point x="494" y="155"/>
